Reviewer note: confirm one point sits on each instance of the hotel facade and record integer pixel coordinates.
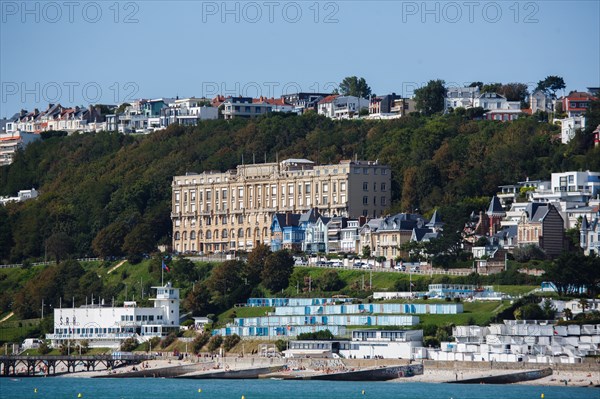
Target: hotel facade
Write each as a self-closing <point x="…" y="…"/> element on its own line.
<point x="233" y="210"/>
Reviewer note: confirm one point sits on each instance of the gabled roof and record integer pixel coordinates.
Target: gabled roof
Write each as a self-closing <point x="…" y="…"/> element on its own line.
<point x="310" y="216"/>
<point x="507" y="232"/>
<point x="436" y="220"/>
<point x="536" y="211"/>
<point x="584" y="224"/>
<point x="287" y="219"/>
<point x="495" y="209"/>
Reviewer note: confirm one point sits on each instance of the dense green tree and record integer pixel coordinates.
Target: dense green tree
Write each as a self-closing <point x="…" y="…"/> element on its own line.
<point x="514" y="91"/>
<point x="59" y="245"/>
<point x="573" y="273"/>
<point x="430" y="98"/>
<point x="551" y="85"/>
<point x="330" y="281"/>
<point x="277" y="270"/>
<point x="253" y="267"/>
<point x="353" y="86"/>
<point x="491" y="88"/>
<point x="109" y="241"/>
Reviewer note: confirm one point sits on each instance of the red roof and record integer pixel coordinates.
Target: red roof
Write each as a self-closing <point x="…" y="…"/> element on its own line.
<point x="329" y="99"/>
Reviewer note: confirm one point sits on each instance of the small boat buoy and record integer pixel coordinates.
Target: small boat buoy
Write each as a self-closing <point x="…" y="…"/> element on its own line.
<point x="79" y="395"/>
<point x="542" y="396"/>
<point x="34" y="390"/>
<point x="363" y="391"/>
<point x="243" y="397"/>
<point x="199" y="390"/>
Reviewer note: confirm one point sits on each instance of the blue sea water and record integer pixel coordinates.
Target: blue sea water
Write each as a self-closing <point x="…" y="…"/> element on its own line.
<point x="150" y="388"/>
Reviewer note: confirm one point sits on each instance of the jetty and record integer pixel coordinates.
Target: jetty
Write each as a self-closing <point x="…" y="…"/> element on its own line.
<point x="11" y="366"/>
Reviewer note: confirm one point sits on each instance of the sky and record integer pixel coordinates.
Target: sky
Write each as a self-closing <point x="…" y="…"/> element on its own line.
<point x="89" y="52"/>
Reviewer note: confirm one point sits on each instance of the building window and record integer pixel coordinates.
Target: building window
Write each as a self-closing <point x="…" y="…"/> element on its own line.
<point x="383" y="187"/>
<point x="365" y="186"/>
<point x="383" y="203"/>
<point x="365" y="200"/>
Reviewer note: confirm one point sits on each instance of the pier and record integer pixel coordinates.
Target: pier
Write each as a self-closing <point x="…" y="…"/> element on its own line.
<point x="48" y="365"/>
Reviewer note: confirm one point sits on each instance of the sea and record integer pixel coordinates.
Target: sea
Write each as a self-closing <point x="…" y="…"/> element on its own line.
<point x="154" y="388"/>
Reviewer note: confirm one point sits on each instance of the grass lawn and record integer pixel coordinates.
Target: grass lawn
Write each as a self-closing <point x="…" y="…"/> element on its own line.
<point x="515" y="290"/>
<point x="481" y="312"/>
<point x="227" y="316"/>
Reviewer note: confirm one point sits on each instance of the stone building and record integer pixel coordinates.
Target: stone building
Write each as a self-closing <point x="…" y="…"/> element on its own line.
<point x="233" y="210"/>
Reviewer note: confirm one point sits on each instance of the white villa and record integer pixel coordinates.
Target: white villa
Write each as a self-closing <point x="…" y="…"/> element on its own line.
<point x="107" y="326"/>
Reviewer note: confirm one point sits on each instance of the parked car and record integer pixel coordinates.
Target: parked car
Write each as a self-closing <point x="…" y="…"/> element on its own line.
<point x="366" y="266"/>
<point x="358" y="265"/>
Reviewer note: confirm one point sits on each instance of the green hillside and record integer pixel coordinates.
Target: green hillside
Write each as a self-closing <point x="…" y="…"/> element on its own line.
<point x="109" y="194"/>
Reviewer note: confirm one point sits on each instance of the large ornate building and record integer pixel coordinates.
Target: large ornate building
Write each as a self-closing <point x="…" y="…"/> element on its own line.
<point x="233" y="210"/>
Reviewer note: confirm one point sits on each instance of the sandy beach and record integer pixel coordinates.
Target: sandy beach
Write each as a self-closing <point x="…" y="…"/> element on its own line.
<point x="431" y="375"/>
<point x="574" y="378"/>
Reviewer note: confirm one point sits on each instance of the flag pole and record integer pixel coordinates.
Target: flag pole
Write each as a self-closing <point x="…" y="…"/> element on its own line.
<point x="162" y="274"/>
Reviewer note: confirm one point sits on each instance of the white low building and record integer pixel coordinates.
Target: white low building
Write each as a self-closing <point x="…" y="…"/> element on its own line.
<point x="107" y="326"/>
<point x="387" y="344"/>
<point x="365" y="344"/>
<point x="527" y="341"/>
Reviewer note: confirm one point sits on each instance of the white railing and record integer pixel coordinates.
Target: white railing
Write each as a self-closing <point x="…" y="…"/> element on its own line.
<point x="16" y="265"/>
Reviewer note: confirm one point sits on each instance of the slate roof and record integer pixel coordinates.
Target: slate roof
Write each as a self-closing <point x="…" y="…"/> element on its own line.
<point x="310" y="216"/>
<point x="495" y="208"/>
<point x="536" y="212"/>
<point x="436" y="220"/>
<point x="282" y="218"/>
<point x="584" y="224"/>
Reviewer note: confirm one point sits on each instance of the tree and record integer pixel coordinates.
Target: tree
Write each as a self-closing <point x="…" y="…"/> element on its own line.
<point x="514" y="91"/>
<point x="253" y="267"/>
<point x="109" y="241"/>
<point x="277" y="271"/>
<point x="353" y="86"/>
<point x="59" y="245"/>
<point x="330" y="281"/>
<point x="366" y="252"/>
<point x="430" y="98"/>
<point x="225" y="277"/>
<point x="531" y="311"/>
<point x="491" y="88"/>
<point x="551" y="85"/>
<point x="572" y="272"/>
<point x="140" y="240"/>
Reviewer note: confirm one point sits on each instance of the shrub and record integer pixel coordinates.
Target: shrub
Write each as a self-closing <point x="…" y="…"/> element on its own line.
<point x="230" y="341"/>
<point x="188" y="323"/>
<point x="168" y="340"/>
<point x="199" y="342"/>
<point x="214" y="343"/>
<point x="281" y="345"/>
<point x="129" y="344"/>
<point x="44" y="348"/>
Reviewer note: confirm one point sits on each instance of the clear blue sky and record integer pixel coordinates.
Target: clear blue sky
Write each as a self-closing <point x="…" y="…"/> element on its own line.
<point x="90" y="52"/>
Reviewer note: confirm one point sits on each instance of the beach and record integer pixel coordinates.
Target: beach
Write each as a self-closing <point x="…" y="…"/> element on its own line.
<point x="455" y="371"/>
